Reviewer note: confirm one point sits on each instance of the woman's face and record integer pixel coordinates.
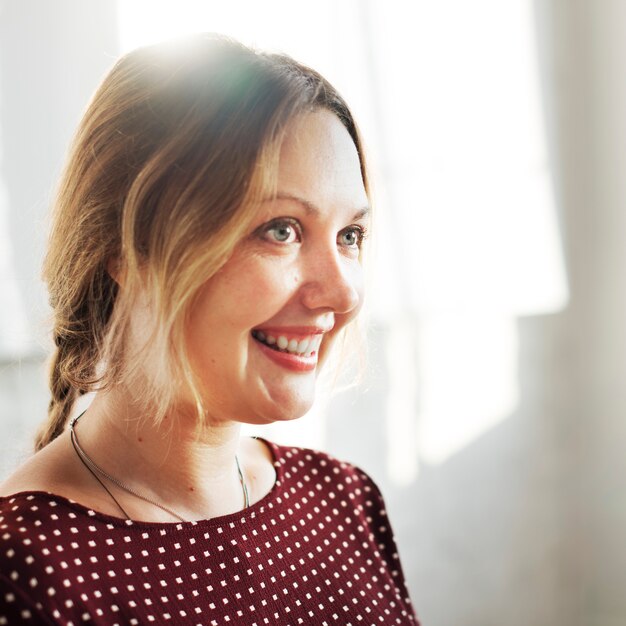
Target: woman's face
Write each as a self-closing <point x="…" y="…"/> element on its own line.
<point x="261" y="323"/>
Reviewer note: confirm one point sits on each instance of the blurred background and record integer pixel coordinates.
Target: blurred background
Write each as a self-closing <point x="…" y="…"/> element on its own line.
<point x="492" y="412"/>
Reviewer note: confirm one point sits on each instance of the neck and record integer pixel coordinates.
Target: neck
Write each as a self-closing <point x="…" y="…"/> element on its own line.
<point x="171" y="463"/>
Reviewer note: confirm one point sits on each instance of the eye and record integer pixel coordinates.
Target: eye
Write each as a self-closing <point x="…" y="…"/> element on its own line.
<point x="352" y="237"/>
<point x="282" y="231"/>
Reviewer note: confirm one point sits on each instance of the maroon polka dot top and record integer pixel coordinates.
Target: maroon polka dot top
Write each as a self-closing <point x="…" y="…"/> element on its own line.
<point x="318" y="549"/>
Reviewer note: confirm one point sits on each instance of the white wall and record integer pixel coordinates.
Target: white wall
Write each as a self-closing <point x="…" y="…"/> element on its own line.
<point x="588" y="92"/>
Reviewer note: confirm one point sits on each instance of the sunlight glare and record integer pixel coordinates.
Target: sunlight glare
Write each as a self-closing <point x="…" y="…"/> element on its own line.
<point x="467" y="377"/>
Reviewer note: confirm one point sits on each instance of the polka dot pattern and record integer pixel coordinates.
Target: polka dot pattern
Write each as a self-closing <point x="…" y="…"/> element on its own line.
<point x="318" y="549"/>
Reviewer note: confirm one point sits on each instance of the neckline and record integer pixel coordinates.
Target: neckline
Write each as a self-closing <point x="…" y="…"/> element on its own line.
<point x="254" y="510"/>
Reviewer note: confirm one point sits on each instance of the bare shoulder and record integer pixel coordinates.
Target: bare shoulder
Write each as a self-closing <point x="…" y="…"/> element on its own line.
<point x="57" y="470"/>
<point x="51" y="469"/>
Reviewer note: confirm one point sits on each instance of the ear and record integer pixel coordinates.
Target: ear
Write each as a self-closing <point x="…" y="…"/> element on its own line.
<point x="116" y="270"/>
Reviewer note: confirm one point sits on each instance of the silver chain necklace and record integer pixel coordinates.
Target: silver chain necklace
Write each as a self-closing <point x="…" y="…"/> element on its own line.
<point x="95" y="469"/>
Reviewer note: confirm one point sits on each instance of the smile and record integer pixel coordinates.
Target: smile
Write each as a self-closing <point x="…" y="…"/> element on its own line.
<point x="305" y="346"/>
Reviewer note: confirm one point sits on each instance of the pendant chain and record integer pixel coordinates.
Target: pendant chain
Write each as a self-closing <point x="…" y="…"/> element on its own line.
<point x="95" y="469"/>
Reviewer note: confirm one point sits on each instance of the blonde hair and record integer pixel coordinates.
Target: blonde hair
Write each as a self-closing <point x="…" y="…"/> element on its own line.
<point x="176" y="150"/>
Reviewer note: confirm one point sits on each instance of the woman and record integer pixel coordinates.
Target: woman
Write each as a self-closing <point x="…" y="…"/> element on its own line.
<point x="204" y="259"/>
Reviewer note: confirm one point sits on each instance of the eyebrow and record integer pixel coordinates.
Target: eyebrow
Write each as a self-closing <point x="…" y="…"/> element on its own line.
<point x="312" y="209"/>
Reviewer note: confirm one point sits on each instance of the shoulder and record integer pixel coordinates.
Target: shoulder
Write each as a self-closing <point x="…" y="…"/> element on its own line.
<point x="339" y="491"/>
<point x="40" y="541"/>
<point x="27" y="521"/>
<point x="42" y="476"/>
<point x="26" y="516"/>
<point x="325" y="473"/>
<point x="40" y="472"/>
<point x="55" y="470"/>
<point x="293" y="457"/>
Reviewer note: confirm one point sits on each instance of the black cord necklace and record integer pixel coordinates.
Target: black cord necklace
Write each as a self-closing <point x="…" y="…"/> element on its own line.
<point x="97" y="471"/>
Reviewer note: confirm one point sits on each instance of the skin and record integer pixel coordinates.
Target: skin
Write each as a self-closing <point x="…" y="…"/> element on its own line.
<point x="303" y="272"/>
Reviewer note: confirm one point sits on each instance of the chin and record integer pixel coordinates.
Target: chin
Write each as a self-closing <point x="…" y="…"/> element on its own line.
<point x="280" y="410"/>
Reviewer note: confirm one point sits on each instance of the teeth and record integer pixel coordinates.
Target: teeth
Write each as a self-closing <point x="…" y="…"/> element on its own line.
<point x="315" y="343"/>
<point x="306" y="346"/>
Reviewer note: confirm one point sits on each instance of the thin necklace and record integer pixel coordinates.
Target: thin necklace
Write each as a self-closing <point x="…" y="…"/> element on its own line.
<point x="95" y="469"/>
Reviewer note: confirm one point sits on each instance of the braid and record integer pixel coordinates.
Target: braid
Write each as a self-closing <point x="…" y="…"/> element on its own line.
<point x="77" y="337"/>
<point x="63" y="395"/>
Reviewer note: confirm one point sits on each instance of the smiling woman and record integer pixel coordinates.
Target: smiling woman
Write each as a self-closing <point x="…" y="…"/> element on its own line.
<point x="204" y="258"/>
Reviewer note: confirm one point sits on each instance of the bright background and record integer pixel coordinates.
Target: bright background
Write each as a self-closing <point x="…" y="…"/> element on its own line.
<point x="492" y="414"/>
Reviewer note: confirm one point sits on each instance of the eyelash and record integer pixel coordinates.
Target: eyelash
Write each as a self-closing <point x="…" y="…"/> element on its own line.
<point x="282" y="222"/>
<point x="361" y="231"/>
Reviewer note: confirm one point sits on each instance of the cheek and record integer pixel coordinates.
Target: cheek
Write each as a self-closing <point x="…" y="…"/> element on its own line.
<point x="266" y="288"/>
<point x="243" y="295"/>
<point x="262" y="291"/>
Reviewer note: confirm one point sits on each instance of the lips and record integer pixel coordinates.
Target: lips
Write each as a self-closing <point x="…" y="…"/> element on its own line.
<point x="295" y="348"/>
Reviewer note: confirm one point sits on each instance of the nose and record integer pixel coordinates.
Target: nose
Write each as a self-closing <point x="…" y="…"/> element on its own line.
<point x="332" y="282"/>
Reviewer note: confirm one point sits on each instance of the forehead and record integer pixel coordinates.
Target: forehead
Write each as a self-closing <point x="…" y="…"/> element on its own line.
<point x="319" y="162"/>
